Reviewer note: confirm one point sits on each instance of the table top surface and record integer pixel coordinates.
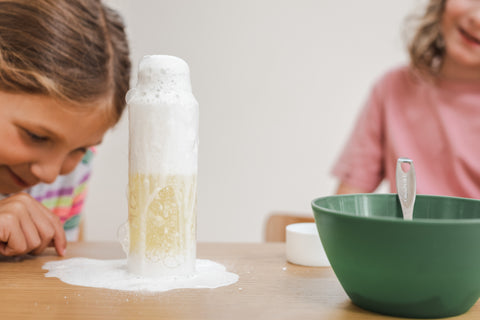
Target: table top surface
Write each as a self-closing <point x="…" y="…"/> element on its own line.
<point x="268" y="288"/>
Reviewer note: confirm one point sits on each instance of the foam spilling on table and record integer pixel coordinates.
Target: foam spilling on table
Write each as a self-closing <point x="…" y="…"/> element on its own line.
<point x="163" y="157"/>
<point x="160" y="235"/>
<point x="114" y="274"/>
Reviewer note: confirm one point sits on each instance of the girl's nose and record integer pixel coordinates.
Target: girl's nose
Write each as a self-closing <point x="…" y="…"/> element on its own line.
<point x="47" y="169"/>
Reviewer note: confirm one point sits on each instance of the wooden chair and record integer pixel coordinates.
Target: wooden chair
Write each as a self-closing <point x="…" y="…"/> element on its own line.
<point x="277" y="222"/>
<point x="81" y="230"/>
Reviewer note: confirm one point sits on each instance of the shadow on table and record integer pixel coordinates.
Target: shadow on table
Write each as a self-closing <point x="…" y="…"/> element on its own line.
<point x="15" y="259"/>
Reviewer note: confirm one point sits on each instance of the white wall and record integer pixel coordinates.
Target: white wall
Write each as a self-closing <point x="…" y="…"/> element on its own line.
<point x="279" y="85"/>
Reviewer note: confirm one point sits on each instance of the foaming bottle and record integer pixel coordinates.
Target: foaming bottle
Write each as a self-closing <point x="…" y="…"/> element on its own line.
<point x="163" y="164"/>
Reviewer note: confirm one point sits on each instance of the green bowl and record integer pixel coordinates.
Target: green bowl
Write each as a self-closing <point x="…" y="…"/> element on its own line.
<point x="428" y="267"/>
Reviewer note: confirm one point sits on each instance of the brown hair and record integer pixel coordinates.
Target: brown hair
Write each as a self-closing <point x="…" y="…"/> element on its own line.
<point x="74" y="50"/>
<point x="426" y="47"/>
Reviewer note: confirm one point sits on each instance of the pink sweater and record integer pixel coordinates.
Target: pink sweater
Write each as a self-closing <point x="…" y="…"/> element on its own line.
<point x="437" y="126"/>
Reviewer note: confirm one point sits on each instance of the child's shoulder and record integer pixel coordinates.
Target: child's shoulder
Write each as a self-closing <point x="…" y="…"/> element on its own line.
<point x="397" y="78"/>
<point x="397" y="74"/>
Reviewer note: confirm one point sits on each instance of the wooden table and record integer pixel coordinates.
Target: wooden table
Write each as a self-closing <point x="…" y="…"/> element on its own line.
<point x="268" y="288"/>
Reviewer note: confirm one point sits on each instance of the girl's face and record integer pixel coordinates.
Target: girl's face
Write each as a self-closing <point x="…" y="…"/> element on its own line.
<point x="41" y="138"/>
<point x="461" y="31"/>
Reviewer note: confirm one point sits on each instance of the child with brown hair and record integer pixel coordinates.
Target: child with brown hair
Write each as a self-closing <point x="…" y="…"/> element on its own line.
<point x="64" y="73"/>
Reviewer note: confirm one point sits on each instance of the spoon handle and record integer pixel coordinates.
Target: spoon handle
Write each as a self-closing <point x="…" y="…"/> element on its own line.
<point x="406" y="186"/>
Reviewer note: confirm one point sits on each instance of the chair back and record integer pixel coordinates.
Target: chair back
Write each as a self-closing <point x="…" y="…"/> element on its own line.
<point x="278" y="221"/>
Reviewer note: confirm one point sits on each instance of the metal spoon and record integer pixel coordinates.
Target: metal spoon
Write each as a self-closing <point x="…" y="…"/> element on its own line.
<point x="406" y="186"/>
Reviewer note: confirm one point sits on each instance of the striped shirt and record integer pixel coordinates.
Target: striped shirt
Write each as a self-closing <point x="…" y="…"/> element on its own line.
<point x="66" y="195"/>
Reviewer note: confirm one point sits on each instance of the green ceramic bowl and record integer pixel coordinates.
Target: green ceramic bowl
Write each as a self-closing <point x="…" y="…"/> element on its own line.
<point x="428" y="267"/>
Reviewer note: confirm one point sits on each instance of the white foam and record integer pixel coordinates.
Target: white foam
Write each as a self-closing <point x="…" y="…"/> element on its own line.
<point x="113" y="274"/>
<point x="163" y="118"/>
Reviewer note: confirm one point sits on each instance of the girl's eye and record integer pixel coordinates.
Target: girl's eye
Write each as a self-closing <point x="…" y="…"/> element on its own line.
<point x="36" y="138"/>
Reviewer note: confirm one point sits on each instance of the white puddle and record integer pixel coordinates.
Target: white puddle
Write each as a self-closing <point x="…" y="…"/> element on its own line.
<point x="113" y="274"/>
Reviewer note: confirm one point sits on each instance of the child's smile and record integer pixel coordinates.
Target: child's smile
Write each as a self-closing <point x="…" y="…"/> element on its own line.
<point x="43" y="138"/>
<point x="460" y="27"/>
<point x="468" y="37"/>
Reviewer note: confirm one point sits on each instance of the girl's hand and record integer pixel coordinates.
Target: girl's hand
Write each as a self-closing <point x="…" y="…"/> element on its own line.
<point x="26" y="226"/>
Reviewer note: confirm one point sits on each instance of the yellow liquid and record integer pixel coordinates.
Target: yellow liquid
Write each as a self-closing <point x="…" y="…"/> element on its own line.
<point x="162" y="221"/>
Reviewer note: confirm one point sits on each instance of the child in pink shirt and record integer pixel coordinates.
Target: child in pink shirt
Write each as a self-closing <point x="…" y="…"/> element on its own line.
<point x="428" y="111"/>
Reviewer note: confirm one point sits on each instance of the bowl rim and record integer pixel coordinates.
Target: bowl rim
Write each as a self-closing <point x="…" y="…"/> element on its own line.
<point x="419" y="221"/>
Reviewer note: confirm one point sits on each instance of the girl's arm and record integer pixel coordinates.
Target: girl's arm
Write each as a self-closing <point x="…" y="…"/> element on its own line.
<point x="344" y="188"/>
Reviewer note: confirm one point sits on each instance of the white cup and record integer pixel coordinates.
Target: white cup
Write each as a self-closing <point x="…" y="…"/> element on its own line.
<point x="303" y="245"/>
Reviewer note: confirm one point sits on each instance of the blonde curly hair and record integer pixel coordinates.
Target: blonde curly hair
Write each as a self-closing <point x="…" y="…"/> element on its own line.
<point x="426" y="47"/>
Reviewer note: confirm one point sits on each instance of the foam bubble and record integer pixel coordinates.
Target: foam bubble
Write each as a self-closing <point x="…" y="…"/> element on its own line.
<point x="163" y="118"/>
<point x="123" y="236"/>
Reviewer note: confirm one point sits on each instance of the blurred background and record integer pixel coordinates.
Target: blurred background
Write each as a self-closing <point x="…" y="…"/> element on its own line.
<point x="279" y="84"/>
